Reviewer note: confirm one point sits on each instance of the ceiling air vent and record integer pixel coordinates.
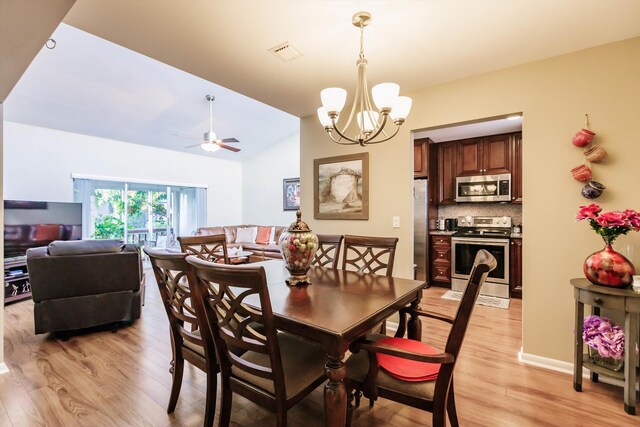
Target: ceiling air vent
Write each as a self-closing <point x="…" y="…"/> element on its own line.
<point x="286" y="52"/>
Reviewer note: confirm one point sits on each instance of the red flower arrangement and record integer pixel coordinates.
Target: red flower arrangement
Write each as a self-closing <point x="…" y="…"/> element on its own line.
<point x="609" y="225"/>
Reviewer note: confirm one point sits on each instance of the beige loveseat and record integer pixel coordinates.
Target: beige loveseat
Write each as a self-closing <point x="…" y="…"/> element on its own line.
<point x="260" y="251"/>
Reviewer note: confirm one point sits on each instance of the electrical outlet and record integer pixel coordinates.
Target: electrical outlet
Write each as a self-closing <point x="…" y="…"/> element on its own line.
<point x="396" y="222"/>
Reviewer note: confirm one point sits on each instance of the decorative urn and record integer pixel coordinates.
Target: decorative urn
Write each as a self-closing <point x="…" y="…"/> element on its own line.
<point x="298" y="245"/>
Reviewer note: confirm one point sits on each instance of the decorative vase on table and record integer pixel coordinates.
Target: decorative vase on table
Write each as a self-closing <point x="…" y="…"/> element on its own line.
<point x="298" y="245"/>
<point x="607" y="267"/>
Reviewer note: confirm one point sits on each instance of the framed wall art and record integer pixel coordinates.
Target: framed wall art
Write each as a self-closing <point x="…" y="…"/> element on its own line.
<point x="291" y="194"/>
<point x="341" y="187"/>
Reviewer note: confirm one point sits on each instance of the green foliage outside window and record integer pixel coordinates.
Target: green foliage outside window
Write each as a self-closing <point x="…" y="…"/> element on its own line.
<point x="111" y="225"/>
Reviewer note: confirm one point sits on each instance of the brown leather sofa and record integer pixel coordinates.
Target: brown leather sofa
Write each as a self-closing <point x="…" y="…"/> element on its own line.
<point x="85" y="283"/>
<point x="261" y="252"/>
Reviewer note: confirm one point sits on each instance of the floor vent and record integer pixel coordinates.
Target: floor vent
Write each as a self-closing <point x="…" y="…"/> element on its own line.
<point x="286" y="52"/>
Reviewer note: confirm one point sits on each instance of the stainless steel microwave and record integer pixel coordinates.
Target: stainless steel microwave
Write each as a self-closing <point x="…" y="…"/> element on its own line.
<point x="484" y="188"/>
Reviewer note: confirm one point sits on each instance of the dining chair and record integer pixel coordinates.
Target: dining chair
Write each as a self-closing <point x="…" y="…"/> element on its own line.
<point x="435" y="395"/>
<point x="328" y="250"/>
<point x="170" y="270"/>
<point x="369" y="254"/>
<point x="276" y="370"/>
<point x="212" y="247"/>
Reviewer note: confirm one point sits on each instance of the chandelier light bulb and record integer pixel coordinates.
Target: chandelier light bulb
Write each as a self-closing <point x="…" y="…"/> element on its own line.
<point x="401" y="108"/>
<point x="324" y="118"/>
<point x="333" y="99"/>
<point x="385" y="95"/>
<point x="367" y="121"/>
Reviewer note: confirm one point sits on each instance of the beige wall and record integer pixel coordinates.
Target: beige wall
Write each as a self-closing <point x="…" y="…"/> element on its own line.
<point x="262" y="177"/>
<point x="553" y="94"/>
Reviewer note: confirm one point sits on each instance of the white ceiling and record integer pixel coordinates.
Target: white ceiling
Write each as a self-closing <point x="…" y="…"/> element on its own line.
<point x="90" y="86"/>
<point x="415" y="43"/>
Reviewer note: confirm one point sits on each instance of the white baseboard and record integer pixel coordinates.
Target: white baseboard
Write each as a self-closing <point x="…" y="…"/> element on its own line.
<point x="562" y="367"/>
<point x="3" y="368"/>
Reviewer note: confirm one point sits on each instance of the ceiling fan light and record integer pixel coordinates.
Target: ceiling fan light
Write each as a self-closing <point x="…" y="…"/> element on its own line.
<point x="385" y="95"/>
<point x="401" y="108"/>
<point x="210" y="146"/>
<point x="324" y="118"/>
<point x="370" y="120"/>
<point x="333" y="99"/>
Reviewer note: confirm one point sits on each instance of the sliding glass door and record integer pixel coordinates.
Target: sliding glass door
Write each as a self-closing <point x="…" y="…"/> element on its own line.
<point x="148" y="214"/>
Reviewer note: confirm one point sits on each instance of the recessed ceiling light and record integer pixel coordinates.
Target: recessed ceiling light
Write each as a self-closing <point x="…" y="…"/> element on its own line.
<point x="514" y="117"/>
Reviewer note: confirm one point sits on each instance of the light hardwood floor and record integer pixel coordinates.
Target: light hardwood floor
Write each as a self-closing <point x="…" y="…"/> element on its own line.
<point x="122" y="379"/>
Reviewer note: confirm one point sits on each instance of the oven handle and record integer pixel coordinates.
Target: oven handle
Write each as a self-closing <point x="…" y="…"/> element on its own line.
<point x="479" y="240"/>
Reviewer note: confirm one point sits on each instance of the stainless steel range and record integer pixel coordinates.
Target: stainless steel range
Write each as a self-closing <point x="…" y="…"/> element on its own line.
<point x="481" y="232"/>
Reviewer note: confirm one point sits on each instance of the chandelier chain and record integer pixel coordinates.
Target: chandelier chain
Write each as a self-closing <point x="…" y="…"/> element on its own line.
<point x="361" y="40"/>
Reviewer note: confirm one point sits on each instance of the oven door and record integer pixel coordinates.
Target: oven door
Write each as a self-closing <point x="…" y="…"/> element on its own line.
<point x="464" y="252"/>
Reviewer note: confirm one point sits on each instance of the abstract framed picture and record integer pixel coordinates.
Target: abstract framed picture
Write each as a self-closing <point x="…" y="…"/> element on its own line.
<point x="291" y="194"/>
<point x="341" y="187"/>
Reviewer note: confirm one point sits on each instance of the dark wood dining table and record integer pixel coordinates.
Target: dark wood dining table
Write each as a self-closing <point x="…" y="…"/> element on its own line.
<point x="336" y="309"/>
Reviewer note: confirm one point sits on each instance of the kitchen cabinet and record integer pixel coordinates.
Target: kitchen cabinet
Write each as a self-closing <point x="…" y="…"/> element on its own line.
<point x="484" y="156"/>
<point x="420" y="158"/>
<point x="447" y="160"/>
<point x="515" y="268"/>
<point x="516" y="171"/>
<point x="440" y="250"/>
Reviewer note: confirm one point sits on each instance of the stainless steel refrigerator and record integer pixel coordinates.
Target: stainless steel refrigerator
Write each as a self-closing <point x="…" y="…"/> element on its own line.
<point x="420" y="235"/>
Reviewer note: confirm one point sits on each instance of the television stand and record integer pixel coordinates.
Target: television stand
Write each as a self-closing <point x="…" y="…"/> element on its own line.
<point x="16" y="280"/>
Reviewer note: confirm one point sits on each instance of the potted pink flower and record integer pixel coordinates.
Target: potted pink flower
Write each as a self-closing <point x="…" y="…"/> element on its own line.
<point x="608" y="267"/>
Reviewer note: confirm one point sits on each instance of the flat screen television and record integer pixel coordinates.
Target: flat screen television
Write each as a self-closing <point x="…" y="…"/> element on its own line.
<point x="29" y="224"/>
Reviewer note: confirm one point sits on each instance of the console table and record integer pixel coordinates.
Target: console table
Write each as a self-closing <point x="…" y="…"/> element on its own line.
<point x="624" y="300"/>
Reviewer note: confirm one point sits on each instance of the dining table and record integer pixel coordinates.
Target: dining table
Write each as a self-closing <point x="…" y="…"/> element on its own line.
<point x="335" y="309"/>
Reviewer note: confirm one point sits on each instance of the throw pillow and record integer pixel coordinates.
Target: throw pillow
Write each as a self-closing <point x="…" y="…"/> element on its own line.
<point x="263" y="235"/>
<point x="272" y="236"/>
<point x="246" y="235"/>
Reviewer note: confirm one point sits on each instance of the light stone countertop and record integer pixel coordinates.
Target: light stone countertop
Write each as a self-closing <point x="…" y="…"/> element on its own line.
<point x="441" y="232"/>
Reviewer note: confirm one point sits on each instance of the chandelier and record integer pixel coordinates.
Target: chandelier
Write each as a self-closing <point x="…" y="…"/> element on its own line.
<point x="371" y="123"/>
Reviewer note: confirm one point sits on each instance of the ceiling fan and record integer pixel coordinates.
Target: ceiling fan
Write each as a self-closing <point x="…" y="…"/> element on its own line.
<point x="210" y="140"/>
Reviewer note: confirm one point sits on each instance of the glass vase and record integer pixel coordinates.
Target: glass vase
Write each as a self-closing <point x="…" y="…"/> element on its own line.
<point x="298" y="245"/>
<point x="605" y="362"/>
<point x="609" y="268"/>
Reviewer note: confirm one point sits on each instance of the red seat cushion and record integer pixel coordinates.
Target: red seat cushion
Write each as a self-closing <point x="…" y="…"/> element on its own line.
<point x="408" y="370"/>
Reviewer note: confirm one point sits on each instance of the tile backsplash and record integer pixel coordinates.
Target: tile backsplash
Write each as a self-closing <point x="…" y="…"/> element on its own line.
<point x="482" y="209"/>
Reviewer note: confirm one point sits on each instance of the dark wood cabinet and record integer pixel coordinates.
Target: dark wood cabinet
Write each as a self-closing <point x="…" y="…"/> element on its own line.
<point x="440" y="259"/>
<point x="420" y="158"/>
<point x="496" y="154"/>
<point x="16" y="280"/>
<point x="515" y="268"/>
<point x="484" y="156"/>
<point x="447" y="160"/>
<point x="469" y="157"/>
<point x="516" y="170"/>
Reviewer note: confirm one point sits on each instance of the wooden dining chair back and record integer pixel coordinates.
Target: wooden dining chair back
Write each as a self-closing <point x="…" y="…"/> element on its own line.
<point x="212" y="247"/>
<point x="274" y="370"/>
<point x="437" y="396"/>
<point x="369" y="254"/>
<point x="171" y="271"/>
<point x="328" y="250"/>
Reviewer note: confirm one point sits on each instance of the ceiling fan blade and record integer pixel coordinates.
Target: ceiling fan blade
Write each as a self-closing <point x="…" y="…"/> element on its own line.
<point x="228" y="147"/>
<point x="229" y="140"/>
<point x="194" y="145"/>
